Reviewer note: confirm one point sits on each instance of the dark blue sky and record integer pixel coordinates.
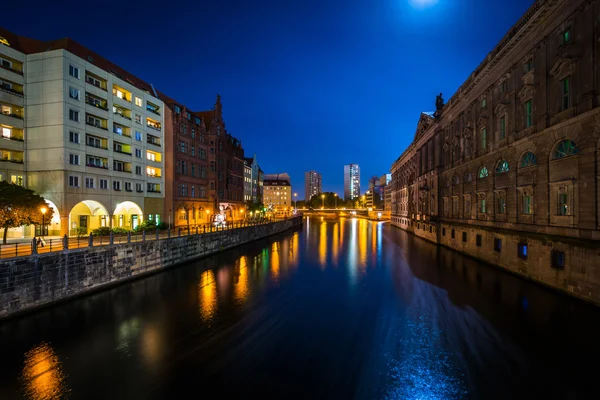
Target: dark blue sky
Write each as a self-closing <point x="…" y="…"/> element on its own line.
<point x="306" y="84"/>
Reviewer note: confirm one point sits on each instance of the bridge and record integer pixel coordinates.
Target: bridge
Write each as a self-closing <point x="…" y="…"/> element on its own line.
<point x="348" y="212"/>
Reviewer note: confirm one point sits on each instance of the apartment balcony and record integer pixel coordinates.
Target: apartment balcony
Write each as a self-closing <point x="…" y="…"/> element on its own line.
<point x="16" y="68"/>
<point x="100" y="166"/>
<point x="152" y="172"/>
<point x="122" y="148"/>
<point x="122" y="166"/>
<point x="10" y="156"/>
<point x="153" y="108"/>
<point x="154" y="157"/>
<point x="14" y="120"/>
<point x="11" y="76"/>
<point x="11" y="133"/>
<point x="121" y="130"/>
<point x="11" y="95"/>
<point x="154" y="140"/>
<point x="122" y="112"/>
<point x="96" y="102"/>
<point x="153" y="124"/>
<point x="95" y="81"/>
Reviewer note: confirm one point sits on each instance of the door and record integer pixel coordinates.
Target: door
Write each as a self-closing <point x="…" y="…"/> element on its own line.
<point x="83" y="222"/>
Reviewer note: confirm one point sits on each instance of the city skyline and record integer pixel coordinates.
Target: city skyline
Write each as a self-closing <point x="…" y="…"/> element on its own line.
<point x="267" y="77"/>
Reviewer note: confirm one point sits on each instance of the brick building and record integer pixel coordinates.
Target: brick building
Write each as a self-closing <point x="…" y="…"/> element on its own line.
<point x="187" y="199"/>
<point x="506" y="171"/>
<point x="226" y="164"/>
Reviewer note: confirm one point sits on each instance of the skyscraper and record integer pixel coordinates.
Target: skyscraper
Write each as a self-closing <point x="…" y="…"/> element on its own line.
<point x="313" y="184"/>
<point x="351" y="181"/>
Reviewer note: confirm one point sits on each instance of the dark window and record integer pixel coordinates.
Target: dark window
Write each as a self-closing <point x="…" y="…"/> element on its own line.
<point x="443" y="231"/>
<point x="558" y="259"/>
<point x="478" y="240"/>
<point x="523" y="251"/>
<point x="430" y="228"/>
<point x="464" y="237"/>
<point x="452" y="234"/>
<point x="497" y="245"/>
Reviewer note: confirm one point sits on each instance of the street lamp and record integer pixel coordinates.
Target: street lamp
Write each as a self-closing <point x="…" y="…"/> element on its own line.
<point x="296" y="201"/>
<point x="43" y="210"/>
<point x="322" y="201"/>
<point x="336" y="196"/>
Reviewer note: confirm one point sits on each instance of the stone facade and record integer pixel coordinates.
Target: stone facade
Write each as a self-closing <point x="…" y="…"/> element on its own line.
<point x="507" y="170"/>
<point x="37" y="280"/>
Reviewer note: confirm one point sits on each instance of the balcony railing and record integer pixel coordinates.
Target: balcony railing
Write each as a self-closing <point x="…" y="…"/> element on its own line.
<point x="97" y="146"/>
<point x="154" y="142"/>
<point x="11" y="90"/>
<point x="13" y="138"/>
<point x="153" y="126"/>
<point x="92" y="103"/>
<point x="11" y="160"/>
<point x="153" y="191"/>
<point x="16" y="71"/>
<point x="122" y="116"/>
<point x="122" y="152"/>
<point x="96" y="125"/>
<point x="101" y="166"/>
<point x="14" y="115"/>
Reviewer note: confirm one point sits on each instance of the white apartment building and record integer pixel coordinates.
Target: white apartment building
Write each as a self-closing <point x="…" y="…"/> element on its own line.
<point x="92" y="138"/>
<point x="313" y="184"/>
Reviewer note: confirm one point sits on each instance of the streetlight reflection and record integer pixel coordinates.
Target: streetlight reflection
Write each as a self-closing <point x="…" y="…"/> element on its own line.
<point x="43" y="375"/>
<point x="323" y="245"/>
<point x="207" y="291"/>
<point x="241" y="289"/>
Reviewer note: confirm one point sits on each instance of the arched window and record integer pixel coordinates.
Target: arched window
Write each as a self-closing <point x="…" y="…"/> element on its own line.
<point x="483" y="172"/>
<point x="565" y="148"/>
<point x="502" y="167"/>
<point x="528" y="160"/>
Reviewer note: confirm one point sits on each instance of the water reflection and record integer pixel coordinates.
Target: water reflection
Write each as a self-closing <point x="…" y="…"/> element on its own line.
<point x="207" y="292"/>
<point x="275" y="262"/>
<point x="241" y="289"/>
<point x="399" y="318"/>
<point x="42" y="375"/>
<point x="323" y="245"/>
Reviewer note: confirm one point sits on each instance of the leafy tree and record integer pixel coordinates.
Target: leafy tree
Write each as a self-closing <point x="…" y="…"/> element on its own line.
<point x="330" y="201"/>
<point x="254" y="207"/>
<point x="20" y="206"/>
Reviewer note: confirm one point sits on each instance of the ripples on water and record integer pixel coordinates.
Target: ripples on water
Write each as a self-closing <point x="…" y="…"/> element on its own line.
<point x="342" y="309"/>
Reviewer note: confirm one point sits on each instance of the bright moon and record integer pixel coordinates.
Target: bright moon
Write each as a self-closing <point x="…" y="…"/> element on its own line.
<point x="422" y="3"/>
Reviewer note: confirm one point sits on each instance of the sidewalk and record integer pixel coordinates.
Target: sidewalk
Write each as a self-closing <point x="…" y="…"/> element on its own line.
<point x="27" y="240"/>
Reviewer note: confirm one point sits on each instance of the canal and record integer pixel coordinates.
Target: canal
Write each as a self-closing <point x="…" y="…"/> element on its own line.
<point x="341" y="309"/>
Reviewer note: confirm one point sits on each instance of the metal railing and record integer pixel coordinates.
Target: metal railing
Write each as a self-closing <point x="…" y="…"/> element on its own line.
<point x="39" y="245"/>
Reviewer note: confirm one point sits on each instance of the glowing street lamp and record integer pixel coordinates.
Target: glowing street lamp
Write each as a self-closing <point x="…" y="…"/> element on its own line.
<point x="323" y="201"/>
<point x="295" y="201"/>
<point x="43" y="210"/>
<point x="336" y="196"/>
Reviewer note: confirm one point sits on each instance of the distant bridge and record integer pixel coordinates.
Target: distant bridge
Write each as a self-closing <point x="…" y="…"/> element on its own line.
<point x="339" y="212"/>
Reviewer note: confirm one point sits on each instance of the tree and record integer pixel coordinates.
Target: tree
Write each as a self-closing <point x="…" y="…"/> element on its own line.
<point x="20" y="206"/>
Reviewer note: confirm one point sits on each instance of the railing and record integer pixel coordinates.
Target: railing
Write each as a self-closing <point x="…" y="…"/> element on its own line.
<point x="11" y="90"/>
<point x="66" y="243"/>
<point x="152" y="110"/>
<point x="16" y="71"/>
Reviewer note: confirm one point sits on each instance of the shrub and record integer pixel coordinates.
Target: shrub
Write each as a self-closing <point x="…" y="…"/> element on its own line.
<point x="81" y="231"/>
<point x="148" y="226"/>
<point x="119" y="230"/>
<point x="163" y="226"/>
<point x="102" y="231"/>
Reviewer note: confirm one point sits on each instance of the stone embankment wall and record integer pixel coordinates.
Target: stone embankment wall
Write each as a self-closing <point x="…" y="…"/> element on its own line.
<point x="38" y="280"/>
<point x="529" y="255"/>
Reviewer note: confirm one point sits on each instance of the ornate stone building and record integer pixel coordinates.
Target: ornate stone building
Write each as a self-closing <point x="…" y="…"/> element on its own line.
<point x="507" y="170"/>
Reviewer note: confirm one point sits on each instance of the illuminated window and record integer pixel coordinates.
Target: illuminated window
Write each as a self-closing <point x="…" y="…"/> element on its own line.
<point x="6" y="133"/>
<point x="483" y="172"/>
<point x="151" y="156"/>
<point x="138" y="101"/>
<point x="565" y="148"/>
<point x="502" y="167"/>
<point x="528" y="160"/>
<point x="565" y="37"/>
<point x="6" y="110"/>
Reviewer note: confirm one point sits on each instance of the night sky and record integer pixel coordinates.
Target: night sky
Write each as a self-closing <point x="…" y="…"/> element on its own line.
<point x="305" y="84"/>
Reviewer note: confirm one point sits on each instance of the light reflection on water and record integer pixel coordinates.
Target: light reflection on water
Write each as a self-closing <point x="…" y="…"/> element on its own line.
<point x="42" y="375"/>
<point x="346" y="309"/>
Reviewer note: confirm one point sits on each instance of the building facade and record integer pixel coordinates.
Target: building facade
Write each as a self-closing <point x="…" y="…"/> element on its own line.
<point x="506" y="170"/>
<point x="86" y="131"/>
<point x="187" y="200"/>
<point x="278" y="193"/>
<point x="247" y="180"/>
<point x="254" y="174"/>
<point x="226" y="165"/>
<point x="313" y="184"/>
<point x="351" y="182"/>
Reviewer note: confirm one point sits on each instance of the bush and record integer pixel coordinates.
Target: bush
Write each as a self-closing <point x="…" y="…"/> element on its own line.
<point x="118" y="230"/>
<point x="163" y="226"/>
<point x="102" y="231"/>
<point x="148" y="226"/>
<point x="81" y="231"/>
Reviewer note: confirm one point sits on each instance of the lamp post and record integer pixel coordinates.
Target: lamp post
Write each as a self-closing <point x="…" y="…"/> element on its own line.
<point x="43" y="210"/>
<point x="322" y="201"/>
<point x="296" y="201"/>
<point x="336" y="196"/>
<point x="169" y="219"/>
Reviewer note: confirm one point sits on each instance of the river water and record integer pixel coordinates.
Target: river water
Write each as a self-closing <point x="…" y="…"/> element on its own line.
<point x="338" y="310"/>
